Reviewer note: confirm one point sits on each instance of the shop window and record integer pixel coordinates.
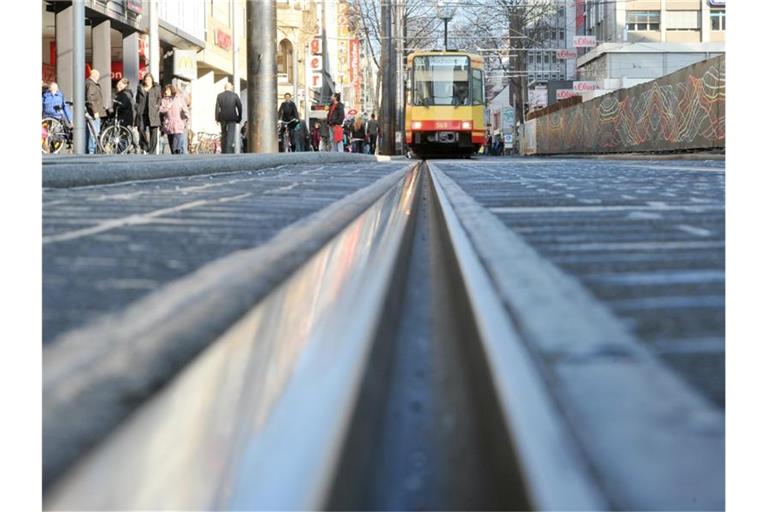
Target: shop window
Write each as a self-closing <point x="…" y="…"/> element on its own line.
<point x="643" y="20"/>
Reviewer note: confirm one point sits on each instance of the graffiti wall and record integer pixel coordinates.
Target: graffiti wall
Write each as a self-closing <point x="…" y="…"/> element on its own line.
<point x="683" y="110"/>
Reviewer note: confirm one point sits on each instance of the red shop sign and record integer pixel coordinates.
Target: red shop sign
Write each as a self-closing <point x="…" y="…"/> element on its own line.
<point x="223" y="40"/>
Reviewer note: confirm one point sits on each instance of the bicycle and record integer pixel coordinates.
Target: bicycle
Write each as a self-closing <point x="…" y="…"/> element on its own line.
<point x="59" y="133"/>
<point x="115" y="138"/>
<point x="205" y="144"/>
<point x="284" y="142"/>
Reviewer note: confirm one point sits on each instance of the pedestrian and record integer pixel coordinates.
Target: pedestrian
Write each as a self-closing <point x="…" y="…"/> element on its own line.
<point x="122" y="105"/>
<point x="52" y="98"/>
<point x="315" y="137"/>
<point x="358" y="134"/>
<point x="229" y="112"/>
<point x="176" y="113"/>
<point x="94" y="104"/>
<point x="302" y="136"/>
<point x="148" y="99"/>
<point x="335" y="121"/>
<point x="372" y="130"/>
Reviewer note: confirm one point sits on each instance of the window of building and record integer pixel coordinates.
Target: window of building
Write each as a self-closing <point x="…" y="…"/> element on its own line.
<point x="717" y="19"/>
<point x="285" y="59"/>
<point x="530" y="58"/>
<point x="683" y="20"/>
<point x="538" y="58"/>
<point x="643" y="20"/>
<point x="562" y="35"/>
<point x="546" y="58"/>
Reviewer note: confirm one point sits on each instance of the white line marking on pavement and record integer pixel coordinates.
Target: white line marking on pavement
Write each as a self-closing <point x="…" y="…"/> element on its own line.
<point x="615" y="208"/>
<point x="694" y="230"/>
<point x="640" y="246"/>
<point x="655" y="166"/>
<point x="132" y="220"/>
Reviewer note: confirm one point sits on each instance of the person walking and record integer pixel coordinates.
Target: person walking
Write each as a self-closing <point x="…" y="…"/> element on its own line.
<point x="314" y="136"/>
<point x="148" y="98"/>
<point x="52" y="98"/>
<point x="358" y="134"/>
<point x="175" y="111"/>
<point x="335" y="121"/>
<point x="229" y="112"/>
<point x="94" y="105"/>
<point x="372" y="130"/>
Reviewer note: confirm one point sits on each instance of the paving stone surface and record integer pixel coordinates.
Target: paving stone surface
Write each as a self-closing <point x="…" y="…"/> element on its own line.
<point x="645" y="237"/>
<point x="107" y="246"/>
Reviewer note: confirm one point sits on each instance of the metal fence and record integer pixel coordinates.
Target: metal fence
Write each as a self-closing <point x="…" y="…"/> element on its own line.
<point x="681" y="111"/>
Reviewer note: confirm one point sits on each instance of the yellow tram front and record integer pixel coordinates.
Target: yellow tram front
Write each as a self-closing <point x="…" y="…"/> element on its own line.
<point x="445" y="103"/>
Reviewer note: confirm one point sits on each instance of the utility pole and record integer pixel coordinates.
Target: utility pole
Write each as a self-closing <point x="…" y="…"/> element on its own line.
<point x="78" y="50"/>
<point x="386" y="110"/>
<point x="154" y="49"/>
<point x="235" y="18"/>
<point x="261" y="33"/>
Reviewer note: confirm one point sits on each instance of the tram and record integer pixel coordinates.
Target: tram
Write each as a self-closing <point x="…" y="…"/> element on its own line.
<point x="445" y="103"/>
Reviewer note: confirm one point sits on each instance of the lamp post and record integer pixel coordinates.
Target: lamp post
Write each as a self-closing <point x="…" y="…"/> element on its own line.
<point x="445" y="12"/>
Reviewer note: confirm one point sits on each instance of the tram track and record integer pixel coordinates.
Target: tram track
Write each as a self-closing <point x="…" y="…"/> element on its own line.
<point x="384" y="374"/>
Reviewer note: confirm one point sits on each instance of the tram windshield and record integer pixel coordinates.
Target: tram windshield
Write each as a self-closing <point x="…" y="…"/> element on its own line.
<point x="441" y="80"/>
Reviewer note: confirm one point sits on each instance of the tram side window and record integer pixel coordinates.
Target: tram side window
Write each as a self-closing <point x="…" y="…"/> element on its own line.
<point x="477" y="87"/>
<point x="441" y="80"/>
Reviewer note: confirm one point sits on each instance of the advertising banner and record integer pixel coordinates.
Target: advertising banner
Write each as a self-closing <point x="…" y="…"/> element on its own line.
<point x="354" y="66"/>
<point x="564" y="94"/>
<point x="508" y="120"/>
<point x="584" y="41"/>
<point x="584" y="86"/>
<point x="566" y="53"/>
<point x="316" y="46"/>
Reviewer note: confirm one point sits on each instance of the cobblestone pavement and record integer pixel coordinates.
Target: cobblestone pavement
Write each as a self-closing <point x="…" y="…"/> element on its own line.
<point x="645" y="237"/>
<point x="106" y="246"/>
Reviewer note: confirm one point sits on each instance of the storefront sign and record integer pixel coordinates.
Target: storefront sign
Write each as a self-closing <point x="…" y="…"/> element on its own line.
<point x="185" y="64"/>
<point x="508" y="119"/>
<point x="222" y="39"/>
<point x="564" y="94"/>
<point x="316" y="46"/>
<point x="316" y="80"/>
<point x="566" y="54"/>
<point x="579" y="87"/>
<point x="316" y="63"/>
<point x="584" y="41"/>
<point x="354" y="65"/>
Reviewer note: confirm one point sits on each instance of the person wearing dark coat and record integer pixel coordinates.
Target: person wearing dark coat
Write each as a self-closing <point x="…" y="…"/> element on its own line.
<point x="123" y="105"/>
<point x="229" y="112"/>
<point x="148" y="98"/>
<point x="335" y="118"/>
<point x="94" y="105"/>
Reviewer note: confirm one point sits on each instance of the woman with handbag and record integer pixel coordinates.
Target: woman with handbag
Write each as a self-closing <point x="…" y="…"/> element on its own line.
<point x="335" y="121"/>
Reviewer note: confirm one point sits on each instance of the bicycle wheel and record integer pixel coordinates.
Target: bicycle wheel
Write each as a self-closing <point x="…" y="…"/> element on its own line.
<point x="53" y="136"/>
<point x="116" y="140"/>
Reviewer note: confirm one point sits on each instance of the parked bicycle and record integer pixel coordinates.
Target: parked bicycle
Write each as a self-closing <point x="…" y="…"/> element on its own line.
<point x="203" y="143"/>
<point x="58" y="134"/>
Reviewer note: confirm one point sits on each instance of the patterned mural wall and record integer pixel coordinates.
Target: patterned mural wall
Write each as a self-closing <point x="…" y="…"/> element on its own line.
<point x="683" y="110"/>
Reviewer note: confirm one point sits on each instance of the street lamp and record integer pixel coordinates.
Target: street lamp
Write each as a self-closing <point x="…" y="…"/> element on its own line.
<point x="445" y="11"/>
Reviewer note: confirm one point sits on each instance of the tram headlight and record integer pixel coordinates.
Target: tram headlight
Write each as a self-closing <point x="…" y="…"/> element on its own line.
<point x="416" y="125"/>
<point x="466" y="125"/>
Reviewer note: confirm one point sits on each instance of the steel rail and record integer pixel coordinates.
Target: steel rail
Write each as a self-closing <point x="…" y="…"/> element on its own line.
<point x="258" y="420"/>
<point x="555" y="473"/>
